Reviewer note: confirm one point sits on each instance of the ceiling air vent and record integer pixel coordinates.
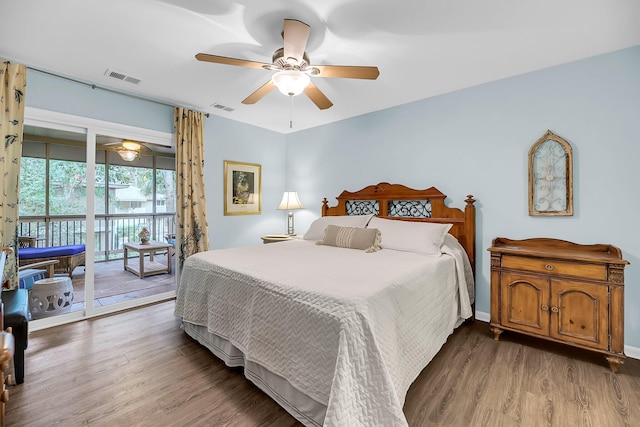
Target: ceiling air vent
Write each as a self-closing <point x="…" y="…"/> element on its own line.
<point x="120" y="76"/>
<point x="221" y="107"/>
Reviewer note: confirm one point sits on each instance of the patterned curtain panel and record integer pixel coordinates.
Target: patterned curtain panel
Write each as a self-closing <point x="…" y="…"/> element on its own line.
<point x="13" y="82"/>
<point x="193" y="231"/>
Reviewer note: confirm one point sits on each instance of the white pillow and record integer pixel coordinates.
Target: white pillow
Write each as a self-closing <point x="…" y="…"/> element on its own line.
<point x="317" y="227"/>
<point x="419" y="237"/>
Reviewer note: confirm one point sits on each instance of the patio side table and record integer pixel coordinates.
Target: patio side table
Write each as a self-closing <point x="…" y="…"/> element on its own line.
<point x="151" y="267"/>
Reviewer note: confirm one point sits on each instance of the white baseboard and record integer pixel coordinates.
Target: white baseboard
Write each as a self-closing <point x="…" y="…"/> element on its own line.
<point x="632" y="352"/>
<point x="481" y="315"/>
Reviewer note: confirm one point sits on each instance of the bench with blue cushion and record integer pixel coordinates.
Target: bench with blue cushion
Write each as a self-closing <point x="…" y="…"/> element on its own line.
<point x="70" y="256"/>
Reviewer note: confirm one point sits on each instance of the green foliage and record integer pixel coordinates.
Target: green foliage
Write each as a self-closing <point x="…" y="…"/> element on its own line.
<point x="32" y="185"/>
<point x="68" y="187"/>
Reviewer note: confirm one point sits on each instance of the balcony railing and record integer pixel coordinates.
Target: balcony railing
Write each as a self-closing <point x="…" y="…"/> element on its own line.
<point x="111" y="231"/>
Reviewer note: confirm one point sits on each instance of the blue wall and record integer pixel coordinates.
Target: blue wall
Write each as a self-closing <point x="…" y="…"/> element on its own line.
<point x="64" y="96"/>
<point x="476" y="141"/>
<point x="231" y="140"/>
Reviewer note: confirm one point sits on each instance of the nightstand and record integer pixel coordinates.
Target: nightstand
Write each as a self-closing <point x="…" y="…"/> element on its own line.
<point x="273" y="238"/>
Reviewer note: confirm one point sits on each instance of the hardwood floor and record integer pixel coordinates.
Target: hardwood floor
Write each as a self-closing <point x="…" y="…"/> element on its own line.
<point x="137" y="368"/>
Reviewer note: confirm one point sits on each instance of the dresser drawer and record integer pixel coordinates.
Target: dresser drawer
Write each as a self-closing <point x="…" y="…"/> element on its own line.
<point x="591" y="271"/>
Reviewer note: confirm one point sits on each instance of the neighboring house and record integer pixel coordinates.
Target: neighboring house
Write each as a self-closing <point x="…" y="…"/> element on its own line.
<point x="473" y="141"/>
<point x="132" y="200"/>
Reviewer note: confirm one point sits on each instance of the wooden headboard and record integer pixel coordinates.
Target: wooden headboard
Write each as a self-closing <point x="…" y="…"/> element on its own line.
<point x="395" y="201"/>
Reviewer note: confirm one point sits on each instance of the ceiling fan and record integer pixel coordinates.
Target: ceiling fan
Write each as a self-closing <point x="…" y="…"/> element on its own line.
<point x="293" y="69"/>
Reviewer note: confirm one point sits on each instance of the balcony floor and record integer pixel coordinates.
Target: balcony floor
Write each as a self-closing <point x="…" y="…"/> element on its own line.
<point x="112" y="284"/>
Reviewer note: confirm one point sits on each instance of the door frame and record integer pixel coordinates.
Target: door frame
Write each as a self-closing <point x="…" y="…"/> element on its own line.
<point x="91" y="128"/>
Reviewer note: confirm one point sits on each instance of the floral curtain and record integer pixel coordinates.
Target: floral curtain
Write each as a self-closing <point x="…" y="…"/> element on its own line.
<point x="13" y="82"/>
<point x="191" y="206"/>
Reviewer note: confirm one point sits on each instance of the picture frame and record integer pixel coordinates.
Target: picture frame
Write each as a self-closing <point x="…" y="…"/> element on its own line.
<point x="242" y="188"/>
<point x="551" y="176"/>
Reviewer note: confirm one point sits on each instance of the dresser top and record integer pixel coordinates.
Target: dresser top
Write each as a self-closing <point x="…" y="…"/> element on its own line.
<point x="559" y="249"/>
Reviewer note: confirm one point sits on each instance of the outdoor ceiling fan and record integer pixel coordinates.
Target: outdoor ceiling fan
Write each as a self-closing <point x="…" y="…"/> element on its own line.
<point x="130" y="150"/>
<point x="293" y="68"/>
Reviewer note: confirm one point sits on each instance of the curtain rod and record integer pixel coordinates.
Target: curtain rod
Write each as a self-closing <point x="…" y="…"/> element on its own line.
<point x="94" y="86"/>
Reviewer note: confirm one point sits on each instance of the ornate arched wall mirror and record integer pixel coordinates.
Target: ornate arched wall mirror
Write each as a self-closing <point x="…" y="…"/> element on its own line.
<point x="551" y="176"/>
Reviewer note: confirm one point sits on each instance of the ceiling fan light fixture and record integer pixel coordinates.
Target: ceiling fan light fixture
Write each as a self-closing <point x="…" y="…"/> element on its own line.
<point x="291" y="82"/>
<point x="130" y="151"/>
<point x="128" y="155"/>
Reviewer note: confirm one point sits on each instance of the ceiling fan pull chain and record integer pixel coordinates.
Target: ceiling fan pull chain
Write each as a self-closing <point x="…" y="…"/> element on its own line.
<point x="291" y="113"/>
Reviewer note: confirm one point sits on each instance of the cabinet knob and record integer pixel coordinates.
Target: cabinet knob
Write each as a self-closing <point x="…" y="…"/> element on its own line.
<point x="544" y="308"/>
<point x="549" y="267"/>
<point x="555" y="309"/>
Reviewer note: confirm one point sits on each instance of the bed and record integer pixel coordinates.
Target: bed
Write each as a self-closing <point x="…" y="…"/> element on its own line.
<point x="336" y="326"/>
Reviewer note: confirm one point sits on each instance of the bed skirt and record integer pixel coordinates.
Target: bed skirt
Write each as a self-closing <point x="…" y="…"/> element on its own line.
<point x="303" y="408"/>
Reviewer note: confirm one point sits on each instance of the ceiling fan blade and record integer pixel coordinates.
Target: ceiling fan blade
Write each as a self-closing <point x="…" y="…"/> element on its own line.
<point x="347" y="71"/>
<point x="318" y="98"/>
<point x="230" y="61"/>
<point x="295" y="34"/>
<point x="260" y="93"/>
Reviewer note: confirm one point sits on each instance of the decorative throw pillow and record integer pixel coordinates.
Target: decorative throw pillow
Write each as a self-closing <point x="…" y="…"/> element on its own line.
<point x="419" y="237"/>
<point x="317" y="227"/>
<point x="366" y="239"/>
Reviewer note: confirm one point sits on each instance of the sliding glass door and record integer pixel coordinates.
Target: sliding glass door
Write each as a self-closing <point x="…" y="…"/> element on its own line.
<point x="77" y="189"/>
<point x="139" y="193"/>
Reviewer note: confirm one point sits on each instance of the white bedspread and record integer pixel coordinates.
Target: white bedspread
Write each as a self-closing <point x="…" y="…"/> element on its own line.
<point x="351" y="329"/>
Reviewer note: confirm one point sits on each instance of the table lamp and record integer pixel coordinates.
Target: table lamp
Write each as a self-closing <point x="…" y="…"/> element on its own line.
<point x="290" y="201"/>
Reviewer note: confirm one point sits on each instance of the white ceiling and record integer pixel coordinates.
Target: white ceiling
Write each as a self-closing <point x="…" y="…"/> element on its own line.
<point x="422" y="48"/>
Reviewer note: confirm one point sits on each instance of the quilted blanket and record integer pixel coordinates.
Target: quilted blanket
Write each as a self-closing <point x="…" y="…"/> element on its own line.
<point x="350" y="329"/>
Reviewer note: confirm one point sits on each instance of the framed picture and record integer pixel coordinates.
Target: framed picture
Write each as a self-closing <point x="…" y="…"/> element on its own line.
<point x="551" y="176"/>
<point x="242" y="188"/>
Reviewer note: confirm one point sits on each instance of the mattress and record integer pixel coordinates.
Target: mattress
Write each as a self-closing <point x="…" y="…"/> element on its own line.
<point x="335" y="335"/>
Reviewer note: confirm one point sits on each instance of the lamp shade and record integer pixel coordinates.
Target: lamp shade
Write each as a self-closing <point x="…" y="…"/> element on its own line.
<point x="290" y="201"/>
<point x="290" y="82"/>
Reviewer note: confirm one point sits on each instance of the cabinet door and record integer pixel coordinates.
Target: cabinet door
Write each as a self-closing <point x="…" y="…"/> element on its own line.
<point x="580" y="313"/>
<point x="524" y="303"/>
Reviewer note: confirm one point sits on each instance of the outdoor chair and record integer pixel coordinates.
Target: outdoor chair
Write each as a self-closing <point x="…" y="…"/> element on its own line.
<point x="27" y="242"/>
<point x="28" y="274"/>
<point x="171" y="239"/>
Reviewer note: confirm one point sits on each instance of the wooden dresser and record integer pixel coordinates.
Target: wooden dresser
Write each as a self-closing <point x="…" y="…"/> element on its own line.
<point x="560" y="291"/>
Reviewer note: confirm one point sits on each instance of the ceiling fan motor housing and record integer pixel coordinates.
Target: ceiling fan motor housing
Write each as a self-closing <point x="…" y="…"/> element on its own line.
<point x="283" y="63"/>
